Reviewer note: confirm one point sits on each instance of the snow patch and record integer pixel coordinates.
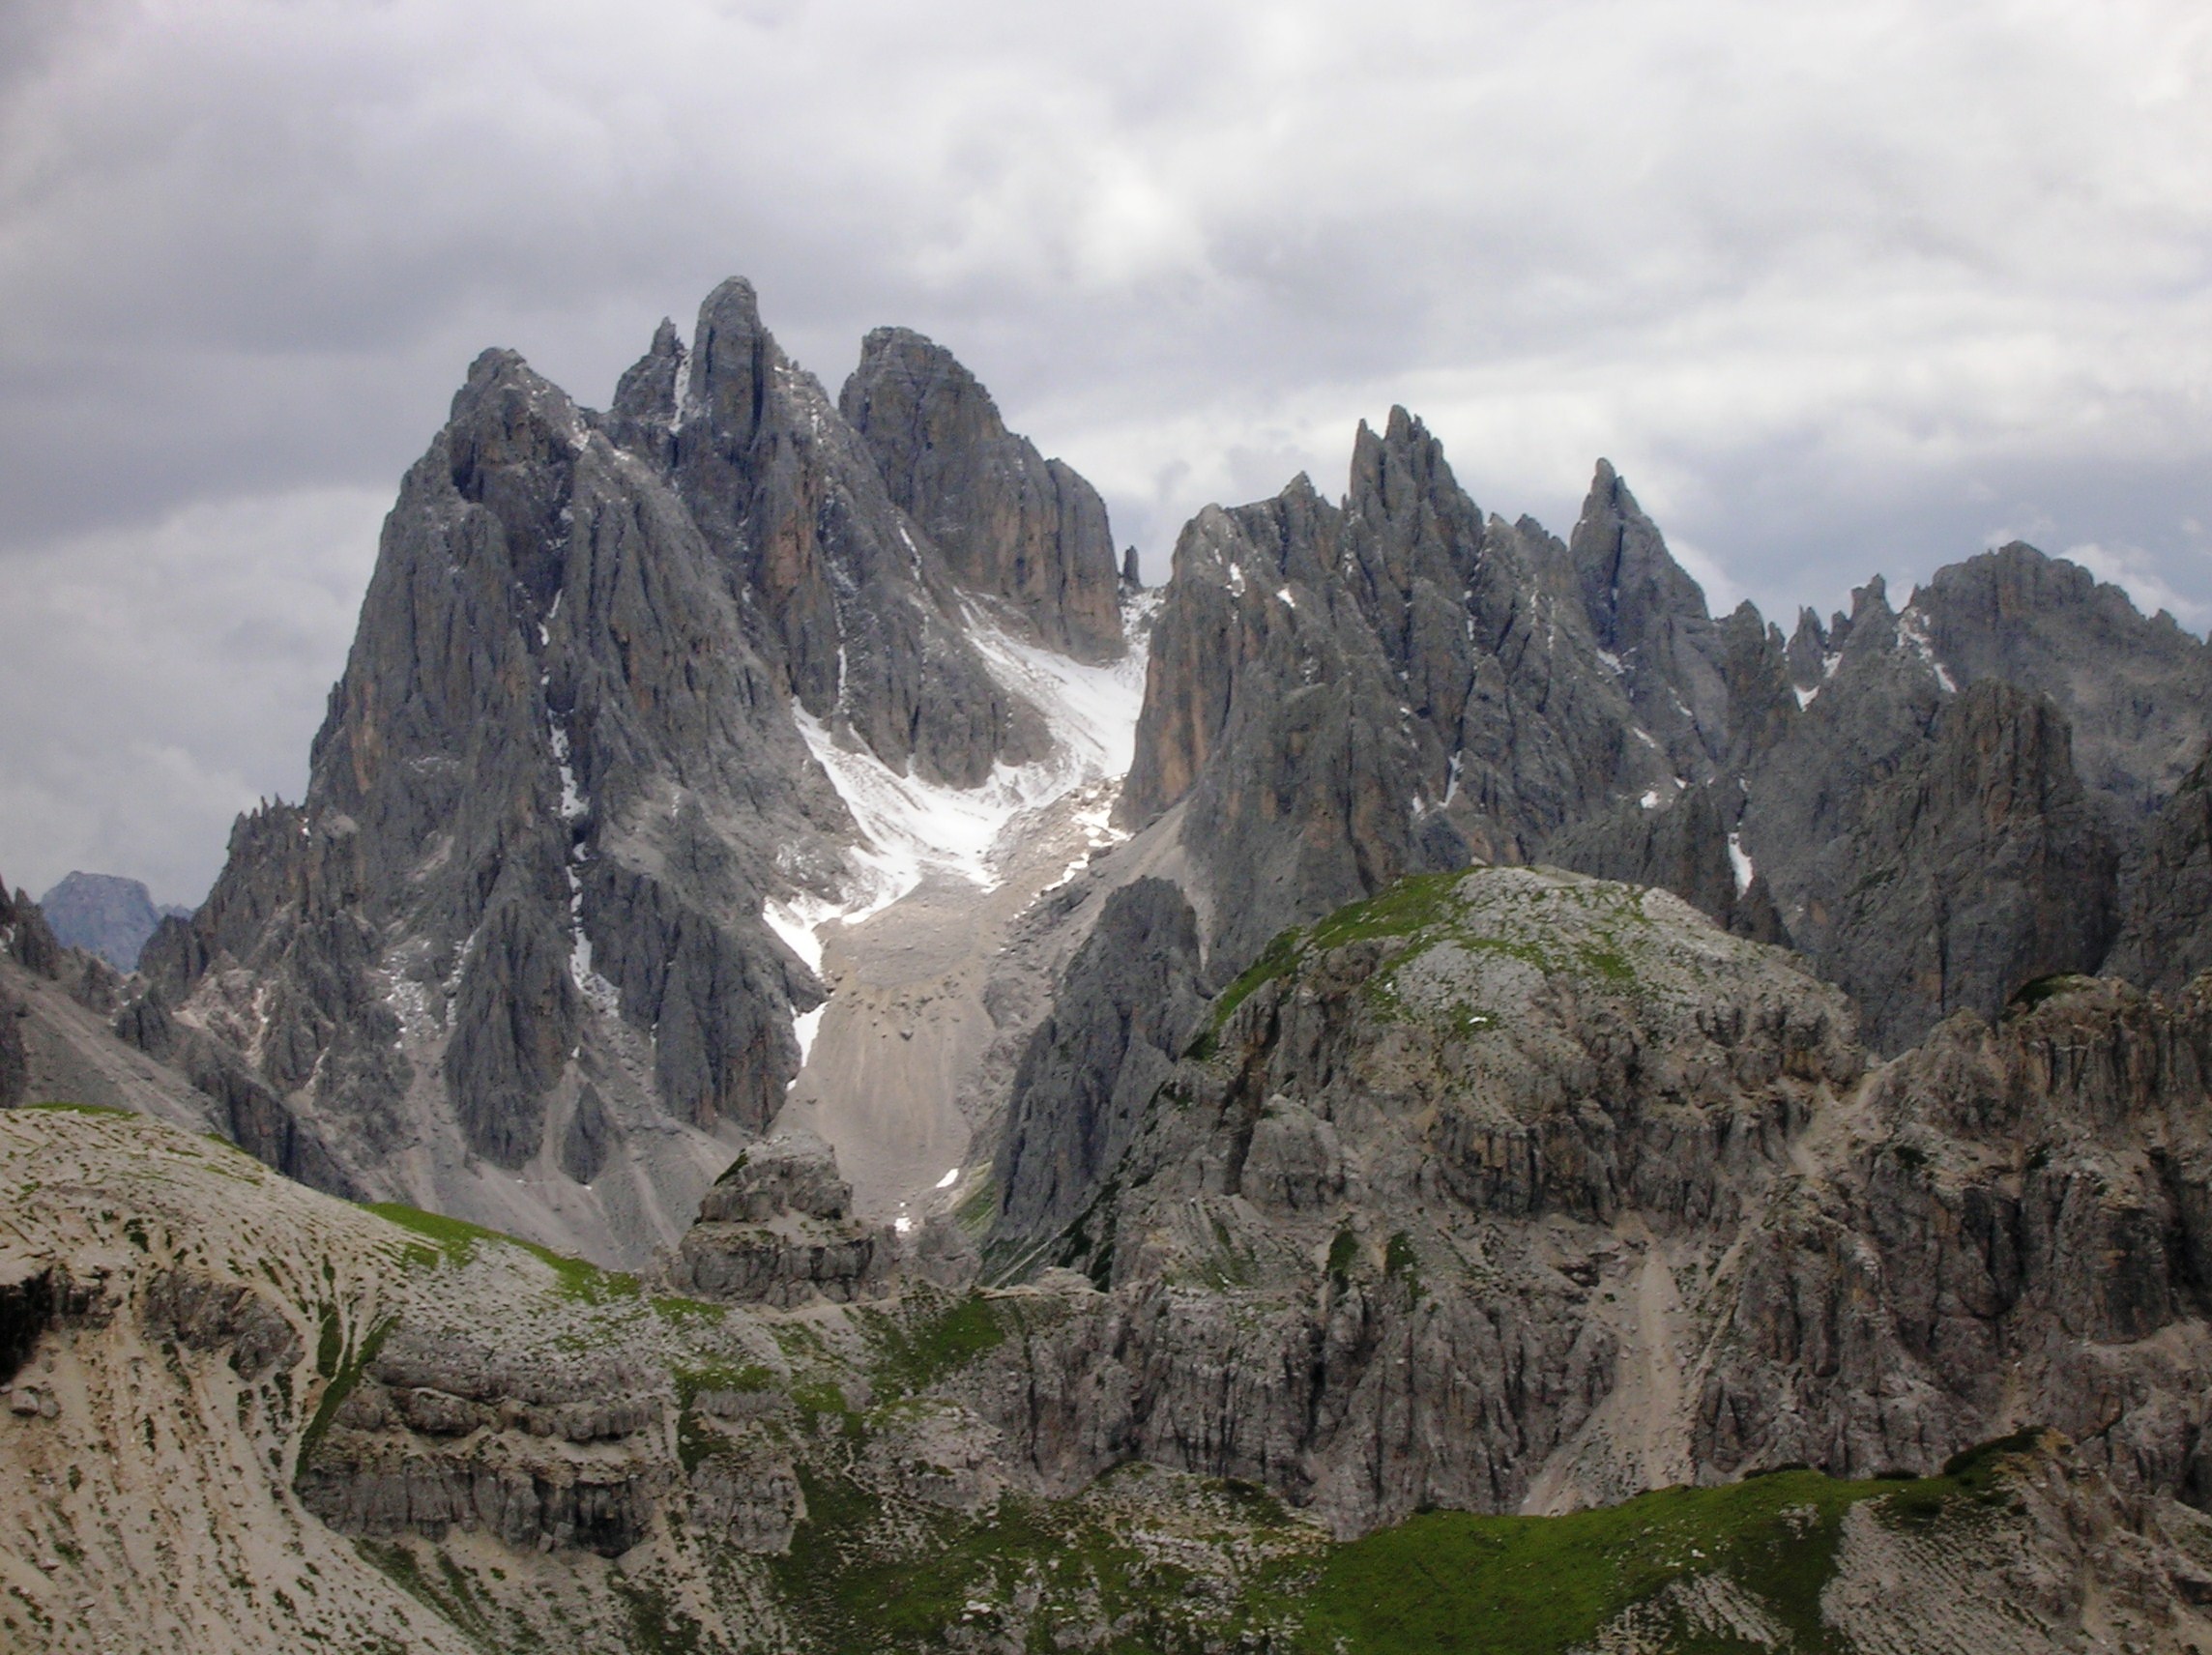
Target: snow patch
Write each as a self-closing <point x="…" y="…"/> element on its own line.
<point x="949" y="1179"/>
<point x="915" y="827"/>
<point x="1284" y="598"/>
<point x="1613" y="662"/>
<point x="680" y="393"/>
<point x="1829" y="664"/>
<point x="1912" y="632"/>
<point x="806" y="1025"/>
<point x="1650" y="799"/>
<point x="1740" y="862"/>
<point x="1236" y="579"/>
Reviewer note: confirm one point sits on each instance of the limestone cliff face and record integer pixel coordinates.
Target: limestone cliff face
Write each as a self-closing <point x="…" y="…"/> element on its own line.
<point x="1390" y="1242"/>
<point x="1124" y="1013"/>
<point x="1343" y="694"/>
<point x="548" y="798"/>
<point x="346" y="1428"/>
<point x="1980" y="866"/>
<point x="1519" y="1190"/>
<point x="2018" y="1224"/>
<point x="2136" y="692"/>
<point x="1007" y="520"/>
<point x="1650" y="616"/>
<point x="847" y="599"/>
<point x="516" y="925"/>
<point x="2165" y="935"/>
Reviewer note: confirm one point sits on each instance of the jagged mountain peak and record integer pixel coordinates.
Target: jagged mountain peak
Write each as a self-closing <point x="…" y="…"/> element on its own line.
<point x="514" y="956"/>
<point x="1011" y="524"/>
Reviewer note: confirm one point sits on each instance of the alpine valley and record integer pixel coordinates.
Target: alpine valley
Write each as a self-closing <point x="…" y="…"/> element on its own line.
<point x="817" y="1069"/>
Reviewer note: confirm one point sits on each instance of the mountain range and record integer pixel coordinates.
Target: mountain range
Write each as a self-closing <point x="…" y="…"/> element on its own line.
<point x="1414" y="1014"/>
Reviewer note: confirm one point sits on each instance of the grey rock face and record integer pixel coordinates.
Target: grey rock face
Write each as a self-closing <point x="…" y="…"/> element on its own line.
<point x="777" y="1229"/>
<point x="1683" y="849"/>
<point x="1341" y="695"/>
<point x="2165" y="935"/>
<point x="1007" y="520"/>
<point x="1980" y="866"/>
<point x="2136" y="690"/>
<point x="1126" y="1007"/>
<point x="1399" y="1138"/>
<point x="848" y="602"/>
<point x="1522" y="1185"/>
<point x="1650" y="616"/>
<point x="562" y="774"/>
<point x="550" y="733"/>
<point x="104" y="914"/>
<point x="1346" y="694"/>
<point x="15" y="1058"/>
<point x="29" y="941"/>
<point x="2025" y="1232"/>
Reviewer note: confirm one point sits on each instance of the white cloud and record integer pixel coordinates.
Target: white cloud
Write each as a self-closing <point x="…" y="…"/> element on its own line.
<point x="1811" y="276"/>
<point x="2131" y="568"/>
<point x="158" y="682"/>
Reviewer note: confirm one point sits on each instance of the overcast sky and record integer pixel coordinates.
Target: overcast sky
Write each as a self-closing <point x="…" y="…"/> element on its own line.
<point x="1839" y="288"/>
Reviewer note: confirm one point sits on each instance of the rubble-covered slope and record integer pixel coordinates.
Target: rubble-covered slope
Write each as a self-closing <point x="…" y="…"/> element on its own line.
<point x="244" y="1415"/>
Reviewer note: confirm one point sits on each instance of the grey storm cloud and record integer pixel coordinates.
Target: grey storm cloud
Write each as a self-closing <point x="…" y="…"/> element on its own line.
<point x="1840" y="289"/>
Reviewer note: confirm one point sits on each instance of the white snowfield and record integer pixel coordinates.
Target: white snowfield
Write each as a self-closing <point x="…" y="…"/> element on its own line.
<point x="914" y="828"/>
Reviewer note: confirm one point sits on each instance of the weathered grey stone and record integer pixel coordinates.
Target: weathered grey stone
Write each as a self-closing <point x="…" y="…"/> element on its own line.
<point x="777" y="1228"/>
<point x="1126" y="1007"/>
<point x="1008" y="521"/>
<point x="1647" y="613"/>
<point x="104" y="914"/>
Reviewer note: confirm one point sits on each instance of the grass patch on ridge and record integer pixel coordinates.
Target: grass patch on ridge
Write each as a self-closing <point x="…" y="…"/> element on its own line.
<point x="456" y="1240"/>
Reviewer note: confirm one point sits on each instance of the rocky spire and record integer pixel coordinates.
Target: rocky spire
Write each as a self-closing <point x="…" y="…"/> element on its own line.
<point x="1646" y="611"/>
<point x="1008" y="521"/>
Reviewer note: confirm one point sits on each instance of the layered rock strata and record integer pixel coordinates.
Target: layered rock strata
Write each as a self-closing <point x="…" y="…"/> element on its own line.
<point x="1517" y="1190"/>
<point x="777" y="1228"/>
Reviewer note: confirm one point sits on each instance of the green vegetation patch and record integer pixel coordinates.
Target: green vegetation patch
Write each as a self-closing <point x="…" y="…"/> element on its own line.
<point x="913" y="1356"/>
<point x="457" y="1241"/>
<point x="344" y="1374"/>
<point x="60" y="1108"/>
<point x="696" y="1441"/>
<point x="952" y="1580"/>
<point x="1430" y="909"/>
<point x="1540" y="1586"/>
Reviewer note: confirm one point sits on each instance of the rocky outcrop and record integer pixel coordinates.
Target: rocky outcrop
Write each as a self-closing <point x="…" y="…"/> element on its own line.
<point x="1340" y="1299"/>
<point x="849" y="603"/>
<point x="1465" y="1094"/>
<point x="519" y="922"/>
<point x="2136" y="692"/>
<point x="1127" y="1006"/>
<point x="14" y="1059"/>
<point x="777" y="1228"/>
<point x="26" y="937"/>
<point x="1722" y="1249"/>
<point x="1980" y="866"/>
<point x="2024" y="1232"/>
<point x="2166" y="931"/>
<point x="1008" y="521"/>
<point x="1686" y="848"/>
<point x="1651" y="618"/>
